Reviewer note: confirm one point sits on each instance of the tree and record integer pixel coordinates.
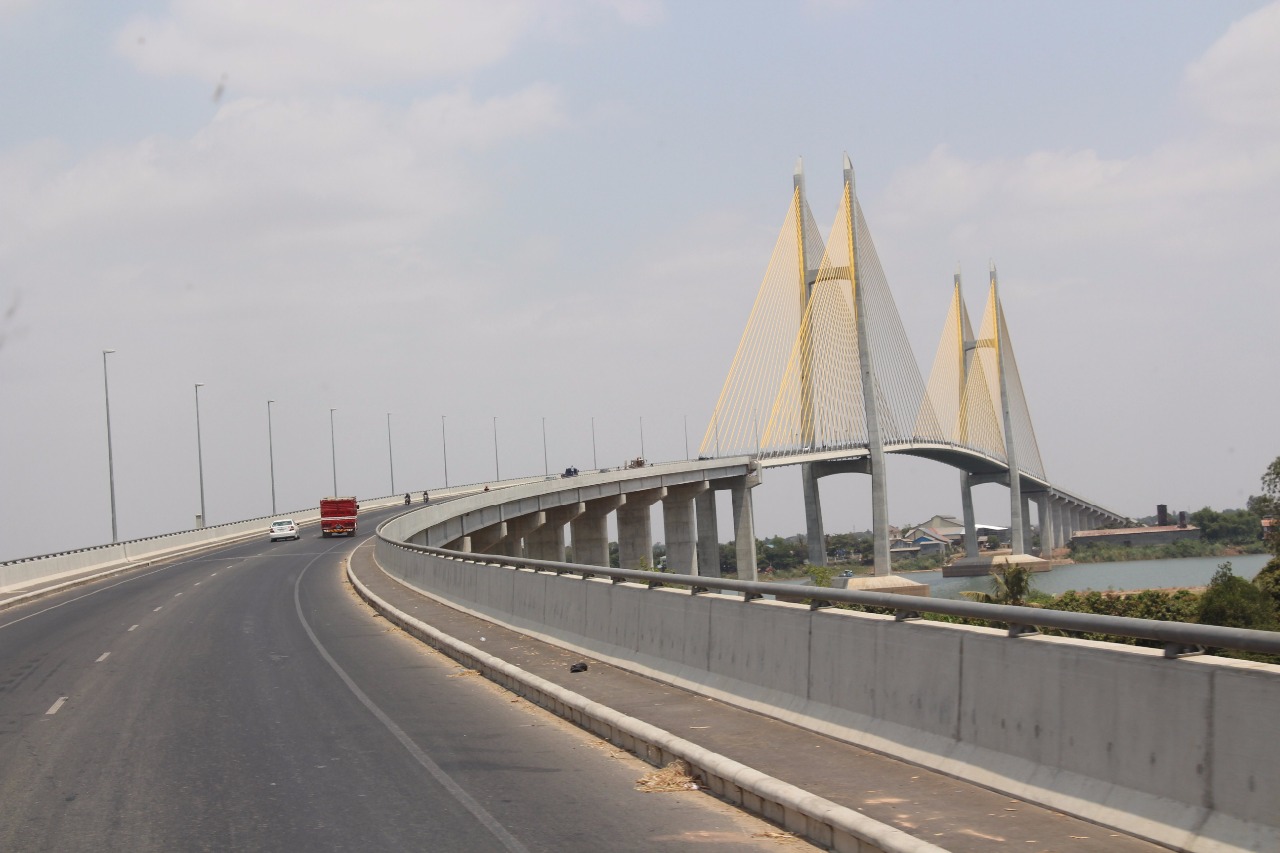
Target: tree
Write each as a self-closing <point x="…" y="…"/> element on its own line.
<point x="820" y="575"/>
<point x="1231" y="526"/>
<point x="1271" y="489"/>
<point x="1010" y="585"/>
<point x="1233" y="602"/>
<point x="1268" y="581"/>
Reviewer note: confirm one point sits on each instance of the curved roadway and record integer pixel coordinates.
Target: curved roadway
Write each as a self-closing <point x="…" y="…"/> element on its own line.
<point x="244" y="699"/>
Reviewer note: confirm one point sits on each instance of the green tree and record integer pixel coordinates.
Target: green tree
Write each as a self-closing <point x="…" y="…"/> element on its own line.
<point x="1231" y="526"/>
<point x="1233" y="602"/>
<point x="728" y="558"/>
<point x="820" y="575"/>
<point x="1010" y="585"/>
<point x="1268" y="581"/>
<point x="1271" y="491"/>
<point x="780" y="553"/>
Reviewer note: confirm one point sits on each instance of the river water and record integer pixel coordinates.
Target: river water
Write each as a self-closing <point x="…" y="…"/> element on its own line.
<point x="1135" y="574"/>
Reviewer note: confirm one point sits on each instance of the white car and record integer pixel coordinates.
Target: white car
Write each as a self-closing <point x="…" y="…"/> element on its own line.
<point x="284" y="528"/>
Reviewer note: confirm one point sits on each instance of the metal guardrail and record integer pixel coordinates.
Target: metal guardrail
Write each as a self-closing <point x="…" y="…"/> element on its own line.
<point x="1179" y="638"/>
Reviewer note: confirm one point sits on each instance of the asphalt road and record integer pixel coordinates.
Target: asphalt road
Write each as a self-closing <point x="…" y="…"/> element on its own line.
<point x="244" y="699"/>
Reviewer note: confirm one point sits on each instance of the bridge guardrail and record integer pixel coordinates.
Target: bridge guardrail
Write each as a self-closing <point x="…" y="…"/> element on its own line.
<point x="1179" y="637"/>
<point x="15" y="575"/>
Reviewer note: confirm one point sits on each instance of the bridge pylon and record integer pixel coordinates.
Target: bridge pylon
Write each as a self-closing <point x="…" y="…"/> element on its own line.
<point x="977" y="393"/>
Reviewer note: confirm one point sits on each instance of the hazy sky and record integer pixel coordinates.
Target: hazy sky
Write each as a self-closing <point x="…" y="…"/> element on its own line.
<point x="564" y="209"/>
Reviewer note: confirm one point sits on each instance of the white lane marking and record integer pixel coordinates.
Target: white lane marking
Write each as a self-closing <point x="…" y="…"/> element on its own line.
<point x="505" y="838"/>
<point x="214" y="575"/>
<point x="105" y="655"/>
<point x="134" y="628"/>
<point x="157" y="610"/>
<point x="53" y="709"/>
<point x="176" y="594"/>
<point x="199" y="582"/>
<point x="95" y="592"/>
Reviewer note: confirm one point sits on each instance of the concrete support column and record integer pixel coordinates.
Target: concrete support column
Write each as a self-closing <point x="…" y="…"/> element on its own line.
<point x="512" y="545"/>
<point x="590" y="531"/>
<point x="635" y="528"/>
<point x="546" y="542"/>
<point x="744" y="526"/>
<point x="815" y="537"/>
<point x="1026" y="523"/>
<point x="1044" y="509"/>
<point x="679" y="527"/>
<point x="708" y="562"/>
<point x="970" y="524"/>
<point x="485" y="538"/>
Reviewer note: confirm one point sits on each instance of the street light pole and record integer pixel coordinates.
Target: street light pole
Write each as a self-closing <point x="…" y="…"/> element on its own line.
<point x="271" y="457"/>
<point x="497" y="472"/>
<point x="204" y="519"/>
<point x="111" y="467"/>
<point x="333" y="453"/>
<point x="391" y="456"/>
<point x="444" y="445"/>
<point x="642" y="436"/>
<point x="546" y="468"/>
<point x="595" y="462"/>
<point x="686" y="438"/>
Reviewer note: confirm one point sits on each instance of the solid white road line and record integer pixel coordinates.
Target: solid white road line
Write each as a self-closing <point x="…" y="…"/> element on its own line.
<point x="105" y="655"/>
<point x="487" y="820"/>
<point x="53" y="709"/>
<point x="134" y="628"/>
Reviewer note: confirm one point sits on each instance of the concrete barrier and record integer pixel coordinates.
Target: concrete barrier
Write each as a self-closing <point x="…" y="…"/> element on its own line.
<point x="52" y="569"/>
<point x="829" y="824"/>
<point x="1183" y="752"/>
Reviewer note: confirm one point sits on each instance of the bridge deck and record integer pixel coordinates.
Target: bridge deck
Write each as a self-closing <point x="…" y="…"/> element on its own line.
<point x="952" y="814"/>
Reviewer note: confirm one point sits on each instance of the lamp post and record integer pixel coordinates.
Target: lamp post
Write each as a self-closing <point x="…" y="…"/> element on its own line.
<point x="200" y="456"/>
<point x="546" y="468"/>
<point x="686" y="438"/>
<point x="111" y="468"/>
<point x="444" y="446"/>
<point x="595" y="462"/>
<point x="497" y="472"/>
<point x="391" y="456"/>
<point x="642" y="436"/>
<point x="271" y="457"/>
<point x="333" y="453"/>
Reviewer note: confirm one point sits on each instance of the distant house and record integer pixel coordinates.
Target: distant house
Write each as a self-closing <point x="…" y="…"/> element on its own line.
<point x="1129" y="537"/>
<point x="947" y="528"/>
<point x="930" y="543"/>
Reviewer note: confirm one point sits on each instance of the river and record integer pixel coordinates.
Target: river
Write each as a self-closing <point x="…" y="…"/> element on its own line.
<point x="1134" y="574"/>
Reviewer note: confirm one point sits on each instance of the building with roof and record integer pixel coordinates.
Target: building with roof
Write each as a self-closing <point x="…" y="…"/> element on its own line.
<point x="1131" y="537"/>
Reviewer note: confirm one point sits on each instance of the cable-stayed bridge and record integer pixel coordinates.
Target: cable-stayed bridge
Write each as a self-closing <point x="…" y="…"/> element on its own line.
<point x="825" y="377"/>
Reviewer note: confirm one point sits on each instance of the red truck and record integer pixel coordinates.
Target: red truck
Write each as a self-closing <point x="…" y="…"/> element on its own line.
<point x="338" y="516"/>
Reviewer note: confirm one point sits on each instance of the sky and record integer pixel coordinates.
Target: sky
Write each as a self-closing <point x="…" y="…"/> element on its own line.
<point x="558" y="213"/>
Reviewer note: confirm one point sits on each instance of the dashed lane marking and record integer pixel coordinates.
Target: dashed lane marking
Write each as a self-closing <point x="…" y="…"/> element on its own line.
<point x="134" y="628"/>
<point x="104" y="656"/>
<point x="157" y="610"/>
<point x="199" y="582"/>
<point x="53" y="709"/>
